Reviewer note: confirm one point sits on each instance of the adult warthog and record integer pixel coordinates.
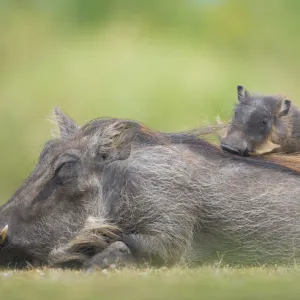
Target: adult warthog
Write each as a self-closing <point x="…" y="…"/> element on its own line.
<point x="114" y="191"/>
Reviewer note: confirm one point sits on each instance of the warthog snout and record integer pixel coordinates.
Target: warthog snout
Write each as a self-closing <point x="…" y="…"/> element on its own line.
<point x="233" y="150"/>
<point x="235" y="143"/>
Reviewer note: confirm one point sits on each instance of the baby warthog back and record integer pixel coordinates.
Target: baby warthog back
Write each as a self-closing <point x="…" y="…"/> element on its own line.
<point x="262" y="124"/>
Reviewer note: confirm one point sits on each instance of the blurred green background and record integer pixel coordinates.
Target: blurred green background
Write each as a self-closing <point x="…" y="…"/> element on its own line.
<point x="170" y="64"/>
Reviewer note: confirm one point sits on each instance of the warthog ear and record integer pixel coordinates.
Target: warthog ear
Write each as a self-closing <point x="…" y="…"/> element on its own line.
<point x="243" y="94"/>
<point x="67" y="127"/>
<point x="114" y="142"/>
<point x="284" y="107"/>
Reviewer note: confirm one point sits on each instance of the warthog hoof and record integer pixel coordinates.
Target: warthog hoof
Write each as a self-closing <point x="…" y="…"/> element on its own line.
<point x="115" y="255"/>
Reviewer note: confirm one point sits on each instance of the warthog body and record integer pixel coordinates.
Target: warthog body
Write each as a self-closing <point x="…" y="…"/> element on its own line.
<point x="114" y="191"/>
<point x="262" y="124"/>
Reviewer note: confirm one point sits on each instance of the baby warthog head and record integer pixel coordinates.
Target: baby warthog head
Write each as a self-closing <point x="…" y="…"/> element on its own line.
<point x="61" y="200"/>
<point x="253" y="123"/>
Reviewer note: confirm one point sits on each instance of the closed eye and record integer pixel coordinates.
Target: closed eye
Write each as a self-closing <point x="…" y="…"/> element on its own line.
<point x="66" y="172"/>
<point x="67" y="164"/>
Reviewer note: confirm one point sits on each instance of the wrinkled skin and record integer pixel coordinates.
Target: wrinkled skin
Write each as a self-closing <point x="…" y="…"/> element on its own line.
<point x="116" y="193"/>
<point x="260" y="124"/>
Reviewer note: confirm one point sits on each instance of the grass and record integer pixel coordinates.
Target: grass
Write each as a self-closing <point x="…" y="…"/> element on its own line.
<point x="176" y="283"/>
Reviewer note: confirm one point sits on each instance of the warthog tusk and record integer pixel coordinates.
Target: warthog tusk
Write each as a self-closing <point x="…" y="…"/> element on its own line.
<point x="3" y="234"/>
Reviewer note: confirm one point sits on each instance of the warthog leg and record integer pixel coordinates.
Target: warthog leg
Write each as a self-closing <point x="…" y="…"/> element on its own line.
<point x="116" y="254"/>
<point x="140" y="249"/>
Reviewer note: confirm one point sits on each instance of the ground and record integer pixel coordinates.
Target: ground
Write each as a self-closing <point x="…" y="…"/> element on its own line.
<point x="211" y="282"/>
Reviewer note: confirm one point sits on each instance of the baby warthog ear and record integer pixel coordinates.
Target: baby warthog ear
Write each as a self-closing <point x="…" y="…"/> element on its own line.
<point x="284" y="107"/>
<point x="243" y="94"/>
<point x="67" y="127"/>
<point x="114" y="142"/>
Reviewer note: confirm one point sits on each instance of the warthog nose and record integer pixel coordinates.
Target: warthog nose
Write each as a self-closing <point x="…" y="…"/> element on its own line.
<point x="230" y="149"/>
<point x="241" y="152"/>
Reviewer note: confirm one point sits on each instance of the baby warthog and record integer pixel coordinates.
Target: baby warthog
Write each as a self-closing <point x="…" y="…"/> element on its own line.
<point x="115" y="192"/>
<point x="262" y="124"/>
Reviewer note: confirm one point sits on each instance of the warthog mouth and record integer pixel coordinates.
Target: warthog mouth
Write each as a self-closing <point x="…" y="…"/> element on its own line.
<point x="12" y="256"/>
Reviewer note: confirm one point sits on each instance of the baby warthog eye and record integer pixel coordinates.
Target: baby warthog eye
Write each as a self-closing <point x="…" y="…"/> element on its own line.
<point x="264" y="120"/>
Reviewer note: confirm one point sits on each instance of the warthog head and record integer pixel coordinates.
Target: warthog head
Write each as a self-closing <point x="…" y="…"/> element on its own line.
<point x="56" y="209"/>
<point x="253" y="123"/>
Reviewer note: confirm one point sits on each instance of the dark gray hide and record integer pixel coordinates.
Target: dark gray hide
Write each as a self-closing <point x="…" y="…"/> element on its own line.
<point x="107" y="194"/>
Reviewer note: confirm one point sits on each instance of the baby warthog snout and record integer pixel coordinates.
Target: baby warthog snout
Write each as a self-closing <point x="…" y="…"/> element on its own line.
<point x="233" y="150"/>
